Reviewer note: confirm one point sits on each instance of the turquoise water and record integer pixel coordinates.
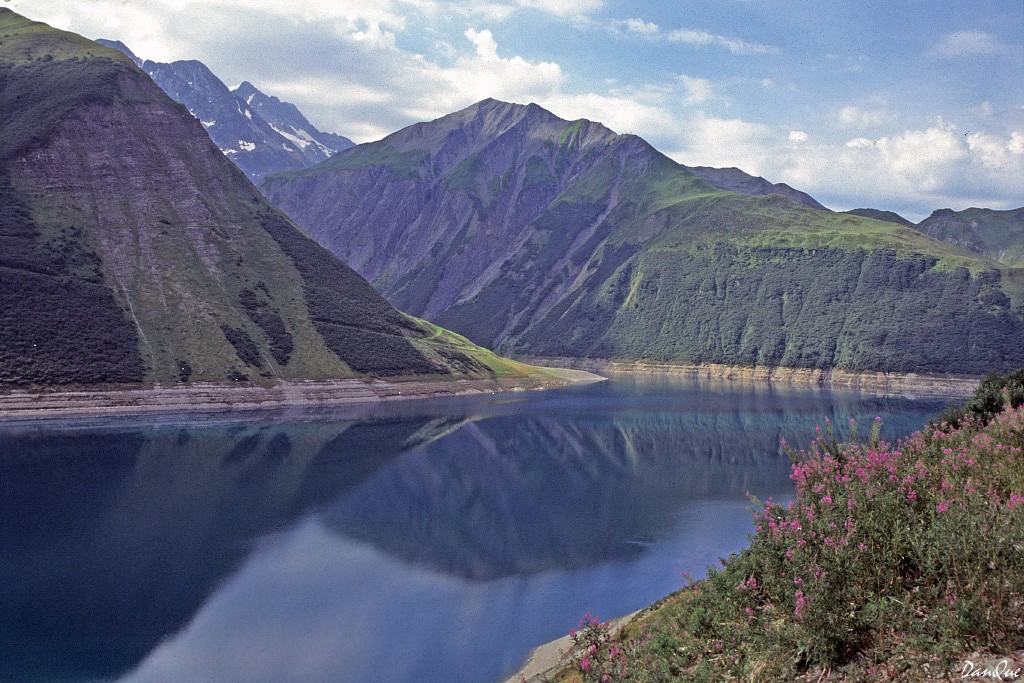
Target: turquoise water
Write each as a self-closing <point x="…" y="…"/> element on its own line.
<point x="427" y="541"/>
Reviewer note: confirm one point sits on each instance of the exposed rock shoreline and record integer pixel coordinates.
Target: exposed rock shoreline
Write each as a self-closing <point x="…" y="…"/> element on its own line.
<point x="883" y="383"/>
<point x="213" y="397"/>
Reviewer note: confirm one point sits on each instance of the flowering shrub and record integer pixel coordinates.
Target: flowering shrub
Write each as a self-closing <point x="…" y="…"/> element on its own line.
<point x="927" y="535"/>
<point x="887" y="549"/>
<point x="603" y="656"/>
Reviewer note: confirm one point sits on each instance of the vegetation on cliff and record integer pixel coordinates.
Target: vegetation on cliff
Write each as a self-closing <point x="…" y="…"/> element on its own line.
<point x="543" y="237"/>
<point x="893" y="562"/>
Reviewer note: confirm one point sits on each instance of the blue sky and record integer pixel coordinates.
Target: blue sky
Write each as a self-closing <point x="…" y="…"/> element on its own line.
<point x="906" y="105"/>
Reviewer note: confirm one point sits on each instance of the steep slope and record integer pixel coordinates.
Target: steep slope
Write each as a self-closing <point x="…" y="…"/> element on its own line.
<point x="998" y="235"/>
<point x="260" y="134"/>
<point x="735" y="180"/>
<point x="133" y="251"/>
<point x="547" y="237"/>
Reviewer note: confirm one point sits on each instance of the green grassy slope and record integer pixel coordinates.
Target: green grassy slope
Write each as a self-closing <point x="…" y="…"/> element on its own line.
<point x="539" y="236"/>
<point x="133" y="251"/>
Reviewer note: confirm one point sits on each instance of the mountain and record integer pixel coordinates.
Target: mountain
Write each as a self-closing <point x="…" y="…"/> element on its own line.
<point x="735" y="180"/>
<point x="260" y="134"/>
<point x="286" y="119"/>
<point x="877" y="214"/>
<point x="133" y="251"/>
<point x="998" y="235"/>
<point x="545" y="237"/>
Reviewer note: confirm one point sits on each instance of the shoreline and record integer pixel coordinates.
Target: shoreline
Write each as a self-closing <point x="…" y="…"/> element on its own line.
<point x="881" y="383"/>
<point x="212" y="397"/>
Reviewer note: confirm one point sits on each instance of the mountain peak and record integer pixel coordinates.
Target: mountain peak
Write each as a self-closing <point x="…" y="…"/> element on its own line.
<point x="246" y="88"/>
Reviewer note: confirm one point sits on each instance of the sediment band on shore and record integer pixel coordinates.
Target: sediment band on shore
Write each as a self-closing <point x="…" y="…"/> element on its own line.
<point x="919" y="384"/>
<point x="212" y="397"/>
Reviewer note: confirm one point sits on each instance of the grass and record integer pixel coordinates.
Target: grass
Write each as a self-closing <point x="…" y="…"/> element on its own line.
<point x="770" y="221"/>
<point x="894" y="562"/>
<point x="23" y="41"/>
<point x="438" y="339"/>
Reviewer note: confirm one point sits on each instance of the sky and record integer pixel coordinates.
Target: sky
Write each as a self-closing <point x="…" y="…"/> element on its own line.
<point x="903" y="105"/>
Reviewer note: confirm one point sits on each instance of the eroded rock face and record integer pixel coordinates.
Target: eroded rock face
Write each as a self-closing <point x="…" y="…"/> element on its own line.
<point x="545" y="237"/>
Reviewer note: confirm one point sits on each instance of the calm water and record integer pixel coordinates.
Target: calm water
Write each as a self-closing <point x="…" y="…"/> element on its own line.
<point x="435" y="541"/>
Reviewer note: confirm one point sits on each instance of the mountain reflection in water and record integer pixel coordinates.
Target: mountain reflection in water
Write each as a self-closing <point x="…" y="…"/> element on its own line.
<point x="436" y="541"/>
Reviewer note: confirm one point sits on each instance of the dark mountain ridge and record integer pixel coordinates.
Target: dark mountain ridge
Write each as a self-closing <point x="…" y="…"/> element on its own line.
<point x="735" y="180"/>
<point x="133" y="251"/>
<point x="877" y="214"/>
<point x="547" y="237"/>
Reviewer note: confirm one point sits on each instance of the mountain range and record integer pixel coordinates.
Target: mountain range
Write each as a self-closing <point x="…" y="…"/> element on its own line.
<point x="544" y="237"/>
<point x="192" y="83"/>
<point x="259" y="133"/>
<point x="134" y="252"/>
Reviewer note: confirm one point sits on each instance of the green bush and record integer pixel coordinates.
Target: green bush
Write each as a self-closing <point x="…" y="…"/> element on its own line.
<point x="994" y="393"/>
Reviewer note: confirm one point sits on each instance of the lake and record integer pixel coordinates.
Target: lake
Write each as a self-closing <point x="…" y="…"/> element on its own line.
<point x="422" y="541"/>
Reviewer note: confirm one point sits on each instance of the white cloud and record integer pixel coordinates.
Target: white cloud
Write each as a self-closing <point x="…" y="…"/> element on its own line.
<point x="640" y="26"/>
<point x="968" y="44"/>
<point x="712" y="141"/>
<point x="624" y="112"/>
<point x="1016" y="144"/>
<point x="488" y="75"/>
<point x="984" y="110"/>
<point x="852" y="116"/>
<point x="994" y="152"/>
<point x="735" y="45"/>
<point x="912" y="172"/>
<point x="798" y="136"/>
<point x="697" y="89"/>
<point x="690" y="36"/>
<point x="564" y="8"/>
